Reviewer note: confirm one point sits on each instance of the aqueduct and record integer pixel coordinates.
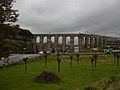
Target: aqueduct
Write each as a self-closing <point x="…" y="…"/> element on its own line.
<point x="71" y="42"/>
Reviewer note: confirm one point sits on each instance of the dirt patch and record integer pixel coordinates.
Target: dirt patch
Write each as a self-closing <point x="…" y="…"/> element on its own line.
<point x="47" y="77"/>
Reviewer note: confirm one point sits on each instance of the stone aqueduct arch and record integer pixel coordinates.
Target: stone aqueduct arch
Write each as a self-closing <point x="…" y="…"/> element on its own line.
<point x="84" y="41"/>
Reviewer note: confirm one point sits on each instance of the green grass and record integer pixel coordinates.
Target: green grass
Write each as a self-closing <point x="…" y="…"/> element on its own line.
<point x="75" y="78"/>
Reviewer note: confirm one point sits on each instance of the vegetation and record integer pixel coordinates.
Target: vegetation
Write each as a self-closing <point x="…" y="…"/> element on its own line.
<point x="7" y="14"/>
<point x="12" y="38"/>
<point x="76" y="78"/>
<point x="110" y="83"/>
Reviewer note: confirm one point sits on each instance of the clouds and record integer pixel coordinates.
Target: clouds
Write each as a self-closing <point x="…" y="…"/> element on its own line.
<point x="43" y="16"/>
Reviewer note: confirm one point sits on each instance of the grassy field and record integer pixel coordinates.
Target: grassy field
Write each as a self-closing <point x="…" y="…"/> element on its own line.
<point x="75" y="78"/>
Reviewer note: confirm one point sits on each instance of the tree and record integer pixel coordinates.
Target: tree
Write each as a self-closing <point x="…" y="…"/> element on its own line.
<point x="7" y="14"/>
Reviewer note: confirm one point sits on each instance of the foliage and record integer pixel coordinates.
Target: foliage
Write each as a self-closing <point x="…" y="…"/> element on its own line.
<point x="12" y="37"/>
<point x="25" y="34"/>
<point x="7" y="14"/>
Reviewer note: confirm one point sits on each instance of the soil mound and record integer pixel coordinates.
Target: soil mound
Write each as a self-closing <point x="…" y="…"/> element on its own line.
<point x="47" y="77"/>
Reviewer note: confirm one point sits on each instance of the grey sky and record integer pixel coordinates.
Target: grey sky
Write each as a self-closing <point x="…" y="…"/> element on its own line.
<point x="94" y="16"/>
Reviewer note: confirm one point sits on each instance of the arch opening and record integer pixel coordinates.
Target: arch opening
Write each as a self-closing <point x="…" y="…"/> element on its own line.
<point x="45" y="39"/>
<point x="38" y="39"/>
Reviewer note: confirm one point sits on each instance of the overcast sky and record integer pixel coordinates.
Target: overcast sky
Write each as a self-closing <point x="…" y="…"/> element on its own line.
<point x="56" y="16"/>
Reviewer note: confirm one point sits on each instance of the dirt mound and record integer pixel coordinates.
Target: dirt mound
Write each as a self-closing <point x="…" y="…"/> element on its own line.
<point x="47" y="77"/>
